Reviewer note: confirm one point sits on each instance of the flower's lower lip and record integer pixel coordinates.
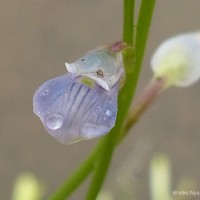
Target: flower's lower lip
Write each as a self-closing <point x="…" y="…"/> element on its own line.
<point x="71" y="110"/>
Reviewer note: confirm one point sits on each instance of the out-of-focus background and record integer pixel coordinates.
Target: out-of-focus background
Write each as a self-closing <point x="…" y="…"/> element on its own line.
<point x="36" y="39"/>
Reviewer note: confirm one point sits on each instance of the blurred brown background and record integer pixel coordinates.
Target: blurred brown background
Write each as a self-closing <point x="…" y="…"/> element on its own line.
<point x="36" y="39"/>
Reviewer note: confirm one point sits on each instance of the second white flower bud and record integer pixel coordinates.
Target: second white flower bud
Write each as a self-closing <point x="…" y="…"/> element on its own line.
<point x="178" y="59"/>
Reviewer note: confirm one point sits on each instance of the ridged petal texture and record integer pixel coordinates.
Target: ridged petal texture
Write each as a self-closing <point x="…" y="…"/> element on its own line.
<point x="72" y="111"/>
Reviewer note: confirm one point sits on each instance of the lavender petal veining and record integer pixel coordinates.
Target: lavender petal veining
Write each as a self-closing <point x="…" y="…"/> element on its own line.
<point x="71" y="111"/>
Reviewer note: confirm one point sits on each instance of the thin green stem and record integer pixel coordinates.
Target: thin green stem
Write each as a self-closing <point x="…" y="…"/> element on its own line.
<point x="101" y="167"/>
<point x="108" y="147"/>
<point x="77" y="177"/>
<point x="128" y="31"/>
<point x="142" y="30"/>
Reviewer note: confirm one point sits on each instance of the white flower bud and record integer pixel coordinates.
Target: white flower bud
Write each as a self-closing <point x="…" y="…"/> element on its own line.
<point x="178" y="59"/>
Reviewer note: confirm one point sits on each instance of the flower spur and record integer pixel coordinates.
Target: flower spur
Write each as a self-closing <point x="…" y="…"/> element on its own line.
<point x="71" y="110"/>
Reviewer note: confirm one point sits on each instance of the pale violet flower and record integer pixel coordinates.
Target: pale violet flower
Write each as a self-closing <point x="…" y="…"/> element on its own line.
<point x="178" y="59"/>
<point x="71" y="110"/>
